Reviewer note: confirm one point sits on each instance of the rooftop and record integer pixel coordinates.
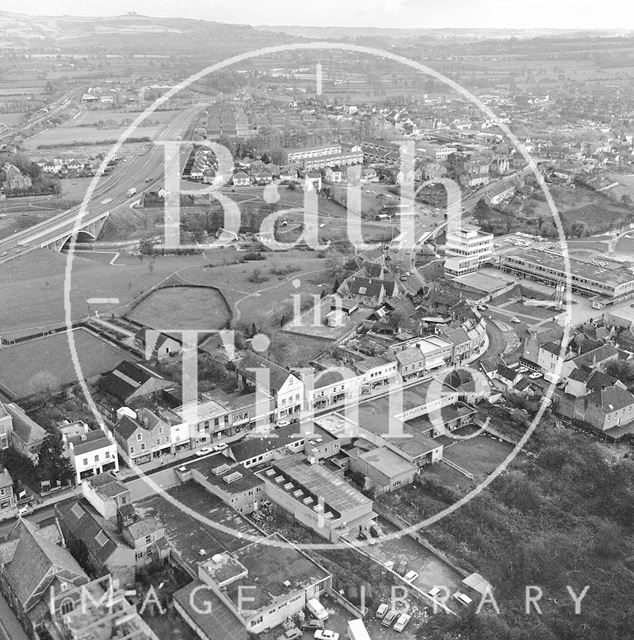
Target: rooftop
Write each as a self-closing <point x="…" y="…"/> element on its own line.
<point x="316" y="482"/>
<point x="278" y="570"/>
<point x="614" y="272"/>
<point x="387" y="462"/>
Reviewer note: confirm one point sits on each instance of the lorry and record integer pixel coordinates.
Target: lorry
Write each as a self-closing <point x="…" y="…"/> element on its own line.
<point x="131" y="192"/>
<point x="357" y="630"/>
<point x="316" y="609"/>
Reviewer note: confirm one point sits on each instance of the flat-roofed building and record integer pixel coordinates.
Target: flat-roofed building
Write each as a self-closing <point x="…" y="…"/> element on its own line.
<point x="317" y="498"/>
<point x="608" y="281"/>
<point x="261" y="585"/>
<point x="297" y="155"/>
<point x="341" y="159"/>
<point x="236" y="486"/>
<point x="385" y="469"/>
<point x="466" y="249"/>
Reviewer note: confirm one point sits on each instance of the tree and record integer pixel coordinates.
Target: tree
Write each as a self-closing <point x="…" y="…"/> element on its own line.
<point x="579" y="228"/>
<point x="52" y="464"/>
<point x="20" y="467"/>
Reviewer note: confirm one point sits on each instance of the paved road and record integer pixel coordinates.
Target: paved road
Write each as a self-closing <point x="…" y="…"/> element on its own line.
<point x="109" y="195"/>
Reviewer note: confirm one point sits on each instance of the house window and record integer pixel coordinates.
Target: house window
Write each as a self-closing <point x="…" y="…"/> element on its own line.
<point x="139" y="555"/>
<point x="85" y="462"/>
<point x="148" y="539"/>
<point x="138" y="436"/>
<point x="97" y="458"/>
<point x="131" y="449"/>
<point x="143" y="447"/>
<point x="107" y="454"/>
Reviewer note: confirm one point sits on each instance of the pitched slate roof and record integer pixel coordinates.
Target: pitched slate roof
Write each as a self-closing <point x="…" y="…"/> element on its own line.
<point x="411" y="355"/>
<point x="506" y="372"/>
<point x="126" y="426"/>
<point x="611" y="399"/>
<point x="596" y="356"/>
<point x="83" y="523"/>
<point x="88" y="442"/>
<point x="27" y="430"/>
<point x="125" y="379"/>
<point x="278" y="375"/>
<point x="34" y="556"/>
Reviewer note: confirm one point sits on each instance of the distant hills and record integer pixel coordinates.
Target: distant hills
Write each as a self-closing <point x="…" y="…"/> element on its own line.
<point x="133" y="33"/>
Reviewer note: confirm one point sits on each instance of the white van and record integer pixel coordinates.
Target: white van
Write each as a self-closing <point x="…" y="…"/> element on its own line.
<point x="317" y="609"/>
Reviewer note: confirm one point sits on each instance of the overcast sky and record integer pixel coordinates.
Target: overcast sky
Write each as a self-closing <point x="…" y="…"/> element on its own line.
<point x="573" y="14"/>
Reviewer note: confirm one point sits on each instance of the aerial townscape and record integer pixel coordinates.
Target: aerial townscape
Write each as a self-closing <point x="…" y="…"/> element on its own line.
<point x="315" y="332"/>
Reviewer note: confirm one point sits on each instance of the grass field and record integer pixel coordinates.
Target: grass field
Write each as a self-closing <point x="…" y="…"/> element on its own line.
<point x="93" y="117"/>
<point x="480" y="455"/>
<point x="180" y="308"/>
<point x="35" y="283"/>
<point x="11" y="119"/>
<point x="61" y="136"/>
<point x="46" y="362"/>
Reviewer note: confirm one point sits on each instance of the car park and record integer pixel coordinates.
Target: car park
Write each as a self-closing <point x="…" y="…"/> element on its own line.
<point x="402" y="622"/>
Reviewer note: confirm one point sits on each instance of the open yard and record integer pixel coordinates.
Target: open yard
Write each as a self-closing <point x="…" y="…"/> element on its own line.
<point x="45" y="363"/>
<point x="180" y="308"/>
<point x="480" y="455"/>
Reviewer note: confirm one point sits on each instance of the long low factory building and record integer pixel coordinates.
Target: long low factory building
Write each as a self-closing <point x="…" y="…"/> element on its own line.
<point x="607" y="280"/>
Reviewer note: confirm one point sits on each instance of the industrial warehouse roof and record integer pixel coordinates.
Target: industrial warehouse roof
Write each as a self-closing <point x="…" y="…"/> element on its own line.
<point x="336" y="492"/>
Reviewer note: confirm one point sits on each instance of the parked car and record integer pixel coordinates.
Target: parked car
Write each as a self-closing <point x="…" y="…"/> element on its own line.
<point x="220" y="446"/>
<point x="515" y="319"/>
<point x="312" y="624"/>
<point x="283" y="423"/>
<point x="316" y="609"/>
<point x="204" y="451"/>
<point x="291" y="634"/>
<point x="389" y="618"/>
<point x="462" y="598"/>
<point x="326" y="634"/>
<point x="434" y="591"/>
<point x="535" y="376"/>
<point x="402" y="622"/>
<point x="382" y="610"/>
<point x="410" y="576"/>
<point x="25" y="510"/>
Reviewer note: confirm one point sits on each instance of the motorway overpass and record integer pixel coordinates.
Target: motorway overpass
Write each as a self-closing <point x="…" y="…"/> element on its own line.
<point x="110" y="194"/>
